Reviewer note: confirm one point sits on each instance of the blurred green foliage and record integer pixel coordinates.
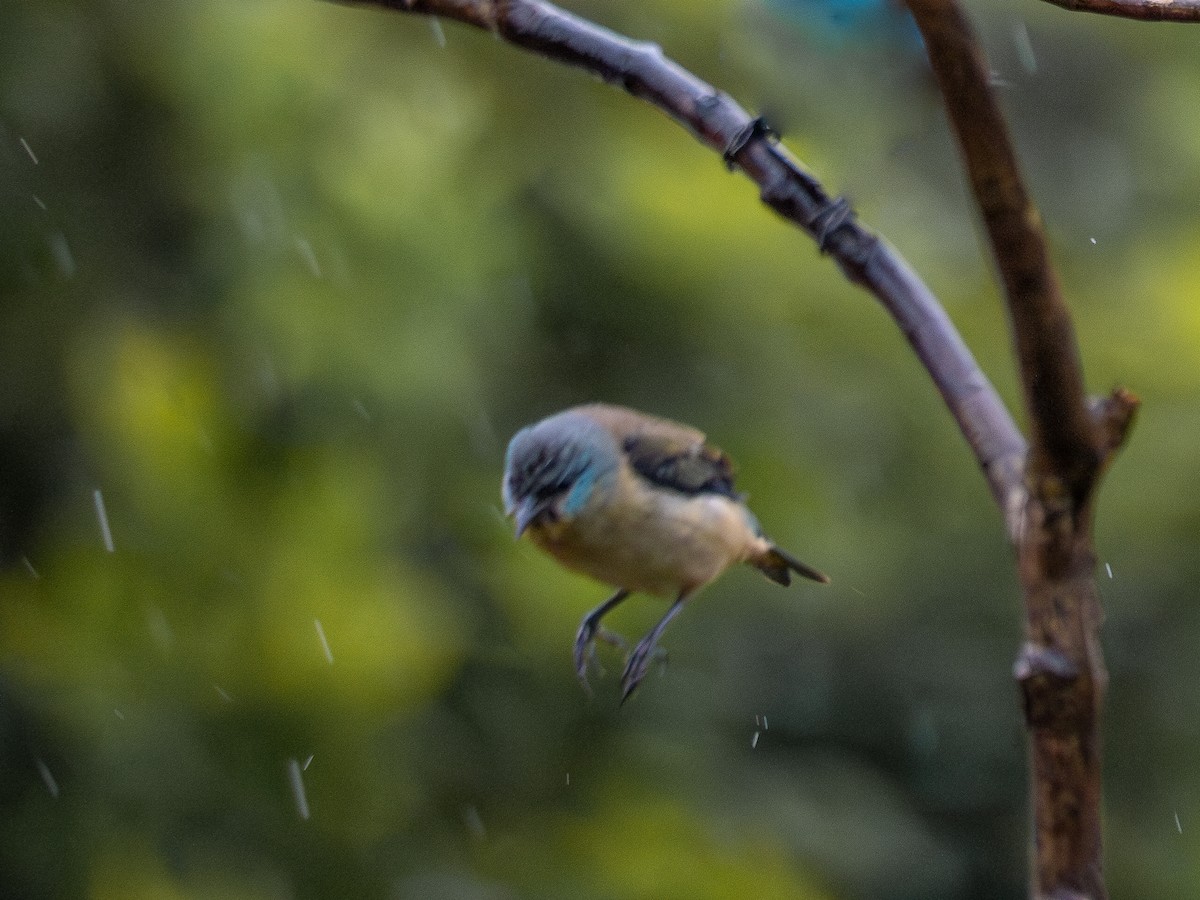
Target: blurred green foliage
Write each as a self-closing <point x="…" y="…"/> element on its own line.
<point x="279" y="280"/>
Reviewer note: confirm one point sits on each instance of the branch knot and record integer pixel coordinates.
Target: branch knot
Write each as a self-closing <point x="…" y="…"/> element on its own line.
<point x="755" y="128"/>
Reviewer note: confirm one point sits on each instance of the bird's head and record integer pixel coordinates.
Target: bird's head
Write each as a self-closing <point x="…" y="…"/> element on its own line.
<point x="553" y="467"/>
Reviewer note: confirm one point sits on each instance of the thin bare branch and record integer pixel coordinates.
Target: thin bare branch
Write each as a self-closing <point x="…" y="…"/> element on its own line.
<point x="722" y="124"/>
<point x="1063" y="440"/>
<point x="1143" y="10"/>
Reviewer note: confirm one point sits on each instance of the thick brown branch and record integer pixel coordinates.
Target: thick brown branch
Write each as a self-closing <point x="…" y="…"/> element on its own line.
<point x="722" y="124"/>
<point x="1061" y="669"/>
<point x="1063" y="680"/>
<point x="1145" y="10"/>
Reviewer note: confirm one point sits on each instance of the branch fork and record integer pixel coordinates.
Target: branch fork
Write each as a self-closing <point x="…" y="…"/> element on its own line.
<point x="1044" y="487"/>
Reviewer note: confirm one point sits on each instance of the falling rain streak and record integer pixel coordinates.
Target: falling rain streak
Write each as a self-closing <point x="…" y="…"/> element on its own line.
<point x="1024" y="46"/>
<point x="64" y="259"/>
<point x="102" y="518"/>
<point x="474" y="823"/>
<point x="305" y="249"/>
<point x="435" y="26"/>
<point x="324" y="642"/>
<point x="52" y="785"/>
<point x="296" y="780"/>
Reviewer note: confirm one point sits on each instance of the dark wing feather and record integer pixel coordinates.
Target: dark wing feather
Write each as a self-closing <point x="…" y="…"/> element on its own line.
<point x="668" y="454"/>
<point x="696" y="469"/>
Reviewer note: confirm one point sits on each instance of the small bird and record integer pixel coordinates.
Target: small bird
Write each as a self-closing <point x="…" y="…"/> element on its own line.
<point x="639" y="503"/>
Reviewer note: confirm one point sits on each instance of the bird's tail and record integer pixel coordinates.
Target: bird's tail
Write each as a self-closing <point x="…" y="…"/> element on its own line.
<point x="778" y="565"/>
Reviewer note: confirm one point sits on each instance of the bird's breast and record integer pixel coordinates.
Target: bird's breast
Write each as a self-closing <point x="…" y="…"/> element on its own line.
<point x="644" y="538"/>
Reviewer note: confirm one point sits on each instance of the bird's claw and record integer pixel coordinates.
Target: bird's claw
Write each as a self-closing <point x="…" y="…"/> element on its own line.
<point x="585" y="643"/>
<point x="644" y="655"/>
<point x="585" y="649"/>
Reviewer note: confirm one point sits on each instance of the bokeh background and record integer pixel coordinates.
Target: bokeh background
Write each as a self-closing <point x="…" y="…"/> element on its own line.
<point x="281" y="278"/>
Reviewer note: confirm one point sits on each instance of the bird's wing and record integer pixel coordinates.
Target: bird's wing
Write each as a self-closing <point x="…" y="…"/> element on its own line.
<point x="666" y="453"/>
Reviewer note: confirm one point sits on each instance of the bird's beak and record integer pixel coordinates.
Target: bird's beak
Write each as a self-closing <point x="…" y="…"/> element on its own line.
<point x="526" y="511"/>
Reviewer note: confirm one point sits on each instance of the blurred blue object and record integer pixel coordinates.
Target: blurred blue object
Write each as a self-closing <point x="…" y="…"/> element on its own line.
<point x="842" y="23"/>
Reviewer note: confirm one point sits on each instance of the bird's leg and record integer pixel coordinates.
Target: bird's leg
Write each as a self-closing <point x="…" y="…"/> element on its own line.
<point x="589" y="630"/>
<point x="644" y="653"/>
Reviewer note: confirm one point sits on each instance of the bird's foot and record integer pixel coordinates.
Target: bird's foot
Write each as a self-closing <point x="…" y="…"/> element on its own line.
<point x="585" y="649"/>
<point x="638" y="663"/>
